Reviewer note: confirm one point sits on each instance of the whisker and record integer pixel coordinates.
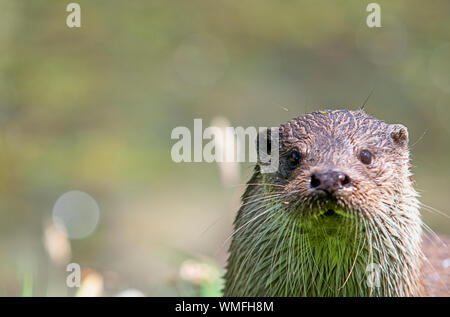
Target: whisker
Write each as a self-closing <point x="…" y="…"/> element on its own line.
<point x="432" y="209"/>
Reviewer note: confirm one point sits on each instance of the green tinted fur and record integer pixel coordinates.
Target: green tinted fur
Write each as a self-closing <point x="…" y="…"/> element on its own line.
<point x="277" y="252"/>
<point x="289" y="242"/>
<point x="309" y="259"/>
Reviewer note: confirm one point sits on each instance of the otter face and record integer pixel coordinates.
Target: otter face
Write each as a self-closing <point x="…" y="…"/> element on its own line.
<point x="342" y="199"/>
<point x="342" y="162"/>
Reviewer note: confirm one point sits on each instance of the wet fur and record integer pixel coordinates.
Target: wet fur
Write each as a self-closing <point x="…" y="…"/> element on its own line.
<point x="282" y="246"/>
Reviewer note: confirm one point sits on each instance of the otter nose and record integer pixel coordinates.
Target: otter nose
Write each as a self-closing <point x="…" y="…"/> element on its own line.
<point x="330" y="181"/>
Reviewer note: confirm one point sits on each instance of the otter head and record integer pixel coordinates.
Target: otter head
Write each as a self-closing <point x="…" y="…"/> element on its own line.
<point x="346" y="164"/>
<point x="340" y="202"/>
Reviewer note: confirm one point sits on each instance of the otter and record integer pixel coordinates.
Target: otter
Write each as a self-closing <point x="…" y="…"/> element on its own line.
<point x="340" y="216"/>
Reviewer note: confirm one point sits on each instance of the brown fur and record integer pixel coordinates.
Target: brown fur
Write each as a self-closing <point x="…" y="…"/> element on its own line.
<point x="382" y="193"/>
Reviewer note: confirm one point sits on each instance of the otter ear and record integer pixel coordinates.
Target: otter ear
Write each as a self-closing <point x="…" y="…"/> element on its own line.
<point x="399" y="133"/>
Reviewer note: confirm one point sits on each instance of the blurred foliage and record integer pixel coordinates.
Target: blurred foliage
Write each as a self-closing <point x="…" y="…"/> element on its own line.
<point x="92" y="109"/>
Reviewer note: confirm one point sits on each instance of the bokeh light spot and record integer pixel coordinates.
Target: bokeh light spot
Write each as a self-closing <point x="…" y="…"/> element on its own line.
<point x="78" y="212"/>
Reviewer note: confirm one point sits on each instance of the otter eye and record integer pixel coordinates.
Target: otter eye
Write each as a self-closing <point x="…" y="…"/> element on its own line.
<point x="293" y="159"/>
<point x="366" y="157"/>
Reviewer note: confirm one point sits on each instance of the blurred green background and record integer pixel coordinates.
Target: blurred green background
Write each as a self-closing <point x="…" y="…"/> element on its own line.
<point x="92" y="109"/>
